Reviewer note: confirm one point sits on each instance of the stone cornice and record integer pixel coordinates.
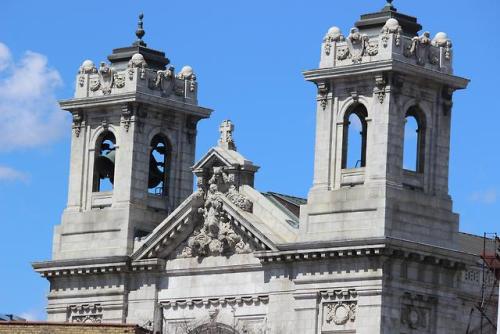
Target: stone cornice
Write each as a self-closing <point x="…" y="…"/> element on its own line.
<point x="389" y="247"/>
<point x="96" y="266"/>
<point x="139" y="97"/>
<point x="349" y="72"/>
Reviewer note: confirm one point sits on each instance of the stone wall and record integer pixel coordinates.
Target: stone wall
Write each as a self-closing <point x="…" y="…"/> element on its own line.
<point x="67" y="328"/>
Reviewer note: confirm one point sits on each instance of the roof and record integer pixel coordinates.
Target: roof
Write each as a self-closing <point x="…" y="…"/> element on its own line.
<point x="288" y="204"/>
<point x="10" y="317"/>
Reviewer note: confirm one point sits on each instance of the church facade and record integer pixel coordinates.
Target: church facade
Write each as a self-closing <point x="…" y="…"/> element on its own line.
<point x="375" y="248"/>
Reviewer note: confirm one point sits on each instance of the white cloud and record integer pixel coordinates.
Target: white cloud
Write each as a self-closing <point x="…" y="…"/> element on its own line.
<point x="488" y="196"/>
<point x="30" y="116"/>
<point x="4" y="56"/>
<point x="11" y="174"/>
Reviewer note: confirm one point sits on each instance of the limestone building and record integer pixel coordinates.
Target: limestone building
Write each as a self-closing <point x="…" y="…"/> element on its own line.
<point x="375" y="248"/>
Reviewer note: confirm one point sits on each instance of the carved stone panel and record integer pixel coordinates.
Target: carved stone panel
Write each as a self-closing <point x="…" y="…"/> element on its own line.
<point x="85" y="313"/>
<point x="418" y="314"/>
<point x="338" y="311"/>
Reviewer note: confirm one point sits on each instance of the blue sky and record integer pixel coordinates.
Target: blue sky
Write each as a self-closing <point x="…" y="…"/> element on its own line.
<point x="248" y="57"/>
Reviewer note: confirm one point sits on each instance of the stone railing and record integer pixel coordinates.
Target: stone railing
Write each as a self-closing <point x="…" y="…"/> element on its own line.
<point x="389" y="44"/>
<point x="136" y="77"/>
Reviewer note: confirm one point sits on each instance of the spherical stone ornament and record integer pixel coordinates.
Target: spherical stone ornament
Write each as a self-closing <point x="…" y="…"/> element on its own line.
<point x="88" y="66"/>
<point x="392" y="24"/>
<point x="186" y="73"/>
<point x="334" y="34"/>
<point x="137" y="57"/>
<point x="137" y="60"/>
<point x="440" y="39"/>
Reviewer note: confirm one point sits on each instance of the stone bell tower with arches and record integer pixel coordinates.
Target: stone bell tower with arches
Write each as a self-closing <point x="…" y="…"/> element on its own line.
<point x="133" y="143"/>
<point x="377" y="78"/>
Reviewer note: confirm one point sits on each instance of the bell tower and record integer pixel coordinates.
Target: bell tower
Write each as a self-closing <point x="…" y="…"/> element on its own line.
<point x="372" y="83"/>
<point x="133" y="143"/>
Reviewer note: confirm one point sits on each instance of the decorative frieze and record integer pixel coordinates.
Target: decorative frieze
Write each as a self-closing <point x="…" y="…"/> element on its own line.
<point x="216" y="301"/>
<point x="85" y="313"/>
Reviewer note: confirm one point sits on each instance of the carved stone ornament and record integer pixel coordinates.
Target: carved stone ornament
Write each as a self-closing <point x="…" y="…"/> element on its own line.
<point x="164" y="80"/>
<point x="226" y="140"/>
<point x="441" y="40"/>
<point x="323" y="89"/>
<point x="341" y="312"/>
<point x="391" y="27"/>
<point x="358" y="45"/>
<point x="187" y="74"/>
<point x="87" y="67"/>
<point x="106" y="78"/>
<point x="128" y="112"/>
<point x="333" y="35"/>
<point x="137" y="61"/>
<point x="119" y="80"/>
<point x="216" y="235"/>
<point x="380" y="84"/>
<point x="420" y="48"/>
<point x="77" y="122"/>
<point x="95" y="84"/>
<point x="447" y="96"/>
<point x="418" y="312"/>
<point x="85" y="313"/>
<point x="415" y="317"/>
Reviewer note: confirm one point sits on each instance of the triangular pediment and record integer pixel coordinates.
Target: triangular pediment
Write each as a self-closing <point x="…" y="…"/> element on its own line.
<point x="212" y="224"/>
<point x="222" y="157"/>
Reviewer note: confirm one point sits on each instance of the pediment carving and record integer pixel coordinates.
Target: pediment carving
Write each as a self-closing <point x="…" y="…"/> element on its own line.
<point x="216" y="232"/>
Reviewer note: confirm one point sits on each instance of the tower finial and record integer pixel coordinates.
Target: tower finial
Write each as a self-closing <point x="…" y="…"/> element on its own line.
<point x="140" y="31"/>
<point x="389" y="6"/>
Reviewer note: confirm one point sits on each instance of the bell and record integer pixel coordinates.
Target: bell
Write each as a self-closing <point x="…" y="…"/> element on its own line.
<point x="155" y="174"/>
<point x="105" y="166"/>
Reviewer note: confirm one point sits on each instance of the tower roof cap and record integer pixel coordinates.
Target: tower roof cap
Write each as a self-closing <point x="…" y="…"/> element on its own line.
<point x="154" y="58"/>
<point x="408" y="23"/>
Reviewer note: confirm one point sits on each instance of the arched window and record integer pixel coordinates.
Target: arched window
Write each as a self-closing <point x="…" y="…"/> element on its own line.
<point x="414" y="141"/>
<point x="104" y="166"/>
<point x="159" y="166"/>
<point x="354" y="137"/>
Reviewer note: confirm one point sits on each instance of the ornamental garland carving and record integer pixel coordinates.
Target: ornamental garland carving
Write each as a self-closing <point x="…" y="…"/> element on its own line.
<point x="333" y="35"/>
<point x="164" y="80"/>
<point x="391" y="27"/>
<point x="341" y="312"/>
<point x="216" y="235"/>
<point x="358" y="46"/>
<point x="420" y="48"/>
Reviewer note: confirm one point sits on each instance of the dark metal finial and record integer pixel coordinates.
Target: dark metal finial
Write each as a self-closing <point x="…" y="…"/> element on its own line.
<point x="140" y="31"/>
<point x="389" y="6"/>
